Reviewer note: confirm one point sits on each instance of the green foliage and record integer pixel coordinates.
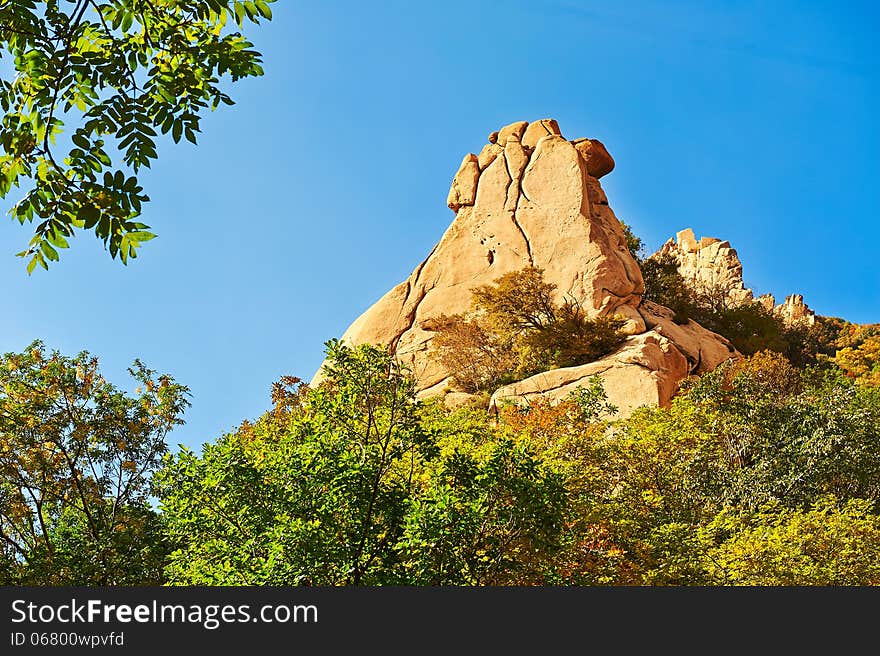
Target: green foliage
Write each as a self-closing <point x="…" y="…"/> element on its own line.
<point x="634" y="243"/>
<point x="591" y="401"/>
<point x="517" y="330"/>
<point x="828" y="544"/>
<point x="760" y="473"/>
<point x="749" y="327"/>
<point x="76" y="456"/>
<point x="756" y="475"/>
<point x="793" y="442"/>
<point x="480" y="517"/>
<point x="572" y="338"/>
<point x="313" y="493"/>
<point x="811" y="344"/>
<point x="116" y="74"/>
<point x="666" y="286"/>
<point x="356" y="483"/>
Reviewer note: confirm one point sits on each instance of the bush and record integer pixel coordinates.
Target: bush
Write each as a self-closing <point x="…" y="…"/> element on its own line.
<point x="862" y="362"/>
<point x="665" y="286"/>
<point x="750" y="328"/>
<point x="517" y="330"/>
<point x="478" y="357"/>
<point x="572" y="338"/>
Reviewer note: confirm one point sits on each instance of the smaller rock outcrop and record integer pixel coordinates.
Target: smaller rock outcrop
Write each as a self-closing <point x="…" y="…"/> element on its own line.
<point x="712" y="268"/>
<point x="709" y="265"/>
<point x="793" y="312"/>
<point x="464" y="185"/>
<point x="596" y="157"/>
<point x="646" y="370"/>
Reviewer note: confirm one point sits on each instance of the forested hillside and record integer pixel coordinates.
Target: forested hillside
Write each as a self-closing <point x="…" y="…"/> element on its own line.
<point x="764" y="471"/>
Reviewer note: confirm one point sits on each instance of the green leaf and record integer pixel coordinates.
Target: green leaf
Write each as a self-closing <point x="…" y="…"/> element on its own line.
<point x="141" y="236"/>
<point x="264" y="9"/>
<point x="239" y="12"/>
<point x="58" y="240"/>
<point x="50" y="252"/>
<point x="89" y="215"/>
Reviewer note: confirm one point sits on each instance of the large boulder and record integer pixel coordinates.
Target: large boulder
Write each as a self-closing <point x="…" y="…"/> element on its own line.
<point x="703" y="349"/>
<point x="646" y="370"/>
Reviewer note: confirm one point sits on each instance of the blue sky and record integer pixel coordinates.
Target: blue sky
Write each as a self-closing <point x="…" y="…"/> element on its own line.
<point x="326" y="184"/>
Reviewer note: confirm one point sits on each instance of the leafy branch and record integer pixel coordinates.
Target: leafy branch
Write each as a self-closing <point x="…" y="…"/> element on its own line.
<point x="119" y="72"/>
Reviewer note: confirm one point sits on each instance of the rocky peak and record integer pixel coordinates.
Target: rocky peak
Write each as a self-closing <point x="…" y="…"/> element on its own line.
<point x="532" y="198"/>
<point x="712" y="267"/>
<point x="709" y="265"/>
<point x="793" y="311"/>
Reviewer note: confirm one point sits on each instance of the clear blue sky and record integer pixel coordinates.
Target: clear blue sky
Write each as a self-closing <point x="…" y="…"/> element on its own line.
<point x="326" y="184"/>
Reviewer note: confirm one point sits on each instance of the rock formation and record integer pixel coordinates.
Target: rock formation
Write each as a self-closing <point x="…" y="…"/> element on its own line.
<point x="794" y="311"/>
<point x="712" y="268"/>
<point x="646" y="371"/>
<point x="530" y="197"/>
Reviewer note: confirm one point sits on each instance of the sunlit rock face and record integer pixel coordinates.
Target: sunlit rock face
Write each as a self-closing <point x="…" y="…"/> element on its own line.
<point x="712" y="267"/>
<point x="530" y="197"/>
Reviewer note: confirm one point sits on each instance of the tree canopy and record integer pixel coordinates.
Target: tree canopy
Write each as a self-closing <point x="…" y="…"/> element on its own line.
<point x="76" y="460"/>
<point x="358" y="483"/>
<point x="760" y="473"/>
<point x="94" y="85"/>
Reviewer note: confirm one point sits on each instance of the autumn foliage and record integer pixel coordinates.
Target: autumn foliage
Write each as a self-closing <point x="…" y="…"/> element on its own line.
<point x="76" y="459"/>
<point x="759" y="473"/>
<point x="516" y="329"/>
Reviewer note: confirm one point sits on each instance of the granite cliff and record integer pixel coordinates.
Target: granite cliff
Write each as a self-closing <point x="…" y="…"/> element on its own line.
<point x="531" y="197"/>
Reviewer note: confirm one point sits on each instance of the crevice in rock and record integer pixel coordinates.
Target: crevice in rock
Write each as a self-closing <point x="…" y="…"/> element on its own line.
<point x="638" y="364"/>
<point x="414" y="277"/>
<point x="419" y="268"/>
<point x="687" y="356"/>
<point x="513" y="213"/>
<point x="410" y="320"/>
<point x="610" y="293"/>
<point x="405" y="298"/>
<point x="524" y="236"/>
